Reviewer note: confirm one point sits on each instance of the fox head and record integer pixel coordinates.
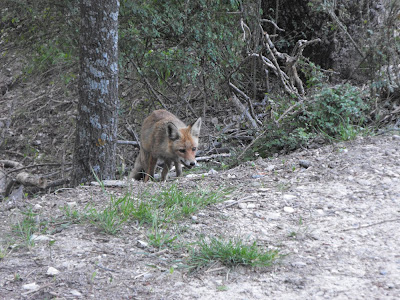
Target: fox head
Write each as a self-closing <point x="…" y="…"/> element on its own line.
<point x="184" y="141"/>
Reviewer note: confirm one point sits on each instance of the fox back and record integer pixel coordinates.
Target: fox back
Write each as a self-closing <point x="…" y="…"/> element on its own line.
<point x="164" y="136"/>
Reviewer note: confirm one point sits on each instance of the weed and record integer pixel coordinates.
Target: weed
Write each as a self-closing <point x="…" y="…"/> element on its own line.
<point x="222" y="288"/>
<point x="28" y="226"/>
<point x="159" y="238"/>
<point x="230" y="252"/>
<point x="109" y="220"/>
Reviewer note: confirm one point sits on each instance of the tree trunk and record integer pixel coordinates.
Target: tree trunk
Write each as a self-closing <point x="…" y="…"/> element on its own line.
<point x="96" y="132"/>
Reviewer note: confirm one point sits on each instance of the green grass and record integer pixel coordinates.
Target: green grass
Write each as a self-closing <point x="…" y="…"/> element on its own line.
<point x="231" y="253"/>
<point x="28" y="226"/>
<point x="167" y="207"/>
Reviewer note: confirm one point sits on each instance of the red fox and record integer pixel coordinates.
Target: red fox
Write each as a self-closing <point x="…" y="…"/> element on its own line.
<point x="164" y="136"/>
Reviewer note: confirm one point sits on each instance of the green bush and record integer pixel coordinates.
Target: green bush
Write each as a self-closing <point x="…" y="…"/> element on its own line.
<point x="335" y="109"/>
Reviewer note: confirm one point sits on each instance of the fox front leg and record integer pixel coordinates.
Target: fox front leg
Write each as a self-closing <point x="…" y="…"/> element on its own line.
<point x="178" y="168"/>
<point x="167" y="167"/>
<point x="150" y="168"/>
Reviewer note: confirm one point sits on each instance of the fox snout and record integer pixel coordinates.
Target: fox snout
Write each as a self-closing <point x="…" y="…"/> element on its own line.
<point x="188" y="163"/>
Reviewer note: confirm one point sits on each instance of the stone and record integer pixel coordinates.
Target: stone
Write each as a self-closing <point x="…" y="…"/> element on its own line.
<point x="242" y="205"/>
<point x="52" y="271"/>
<point x="75" y="293"/>
<point x="30" y="286"/>
<point x="304" y="163"/>
<point x="288" y="197"/>
<point x="288" y="209"/>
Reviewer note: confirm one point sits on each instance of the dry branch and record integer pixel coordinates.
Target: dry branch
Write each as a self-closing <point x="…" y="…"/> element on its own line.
<point x="242" y="109"/>
<point x="253" y="115"/>
<point x="10" y="164"/>
<point x="209" y="157"/>
<point x="30" y="179"/>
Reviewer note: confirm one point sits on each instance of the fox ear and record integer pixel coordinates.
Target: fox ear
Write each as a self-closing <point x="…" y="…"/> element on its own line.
<point x="173" y="132"/>
<point x="195" y="128"/>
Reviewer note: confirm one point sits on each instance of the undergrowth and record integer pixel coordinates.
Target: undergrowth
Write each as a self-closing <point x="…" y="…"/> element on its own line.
<point x="329" y="113"/>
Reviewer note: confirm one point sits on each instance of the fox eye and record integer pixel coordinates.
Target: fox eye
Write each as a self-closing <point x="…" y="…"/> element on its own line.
<point x="182" y="150"/>
<point x="194" y="149"/>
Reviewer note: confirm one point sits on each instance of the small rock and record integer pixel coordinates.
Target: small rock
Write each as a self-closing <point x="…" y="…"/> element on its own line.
<point x="147" y="276"/>
<point x="39" y="238"/>
<point x="242" y="205"/>
<point x="299" y="264"/>
<point x="257" y="215"/>
<point x="396" y="137"/>
<point x="273" y="216"/>
<point x="194" y="218"/>
<point x="251" y="205"/>
<point x="288" y="197"/>
<point x="75" y="293"/>
<point x="288" y="209"/>
<point x="230" y="176"/>
<point x="214" y="121"/>
<point x="257" y="176"/>
<point x="37" y="207"/>
<point x="212" y="172"/>
<point x="320" y="212"/>
<point x="71" y="204"/>
<point x="304" y="163"/>
<point x="52" y="271"/>
<point x="142" y="244"/>
<point x="383" y="272"/>
<point x="30" y="286"/>
<point x="270" y="168"/>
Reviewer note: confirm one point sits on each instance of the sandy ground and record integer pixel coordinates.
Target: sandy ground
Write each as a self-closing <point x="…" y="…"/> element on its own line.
<point x="337" y="222"/>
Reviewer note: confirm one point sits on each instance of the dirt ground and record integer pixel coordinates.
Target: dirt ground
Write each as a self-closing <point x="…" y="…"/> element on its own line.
<point x="337" y="222"/>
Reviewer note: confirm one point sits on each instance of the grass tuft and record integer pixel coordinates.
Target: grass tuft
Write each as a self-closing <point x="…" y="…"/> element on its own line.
<point x="231" y="253"/>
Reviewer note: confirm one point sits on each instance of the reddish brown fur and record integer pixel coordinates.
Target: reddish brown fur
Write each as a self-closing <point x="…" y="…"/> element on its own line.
<point x="164" y="136"/>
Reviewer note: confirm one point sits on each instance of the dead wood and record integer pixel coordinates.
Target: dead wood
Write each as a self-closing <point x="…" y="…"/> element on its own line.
<point x="133" y="143"/>
<point x="242" y="109"/>
<point x="10" y="164"/>
<point x="30" y="179"/>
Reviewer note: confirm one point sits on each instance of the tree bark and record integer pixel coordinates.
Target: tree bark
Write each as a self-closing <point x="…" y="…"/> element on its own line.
<point x="96" y="132"/>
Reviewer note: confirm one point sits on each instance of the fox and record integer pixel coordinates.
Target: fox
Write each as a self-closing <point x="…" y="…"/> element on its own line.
<point x="164" y="136"/>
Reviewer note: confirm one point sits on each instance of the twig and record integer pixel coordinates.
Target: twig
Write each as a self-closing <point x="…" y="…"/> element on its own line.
<point x="251" y="144"/>
<point x="248" y="102"/>
<point x="373" y="224"/>
<point x="127" y="143"/>
<point x="104" y="268"/>
<point x="148" y="84"/>
<point x="343" y="28"/>
<point x="243" y="200"/>
<point x="205" y="158"/>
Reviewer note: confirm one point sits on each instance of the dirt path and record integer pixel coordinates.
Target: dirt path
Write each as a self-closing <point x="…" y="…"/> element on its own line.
<point x="338" y="222"/>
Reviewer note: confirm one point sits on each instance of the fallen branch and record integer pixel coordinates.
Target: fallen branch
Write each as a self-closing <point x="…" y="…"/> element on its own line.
<point x="29" y="179"/>
<point x="35" y="166"/>
<point x="10" y="164"/>
<point x="209" y="157"/>
<point x="253" y="115"/>
<point x="133" y="143"/>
